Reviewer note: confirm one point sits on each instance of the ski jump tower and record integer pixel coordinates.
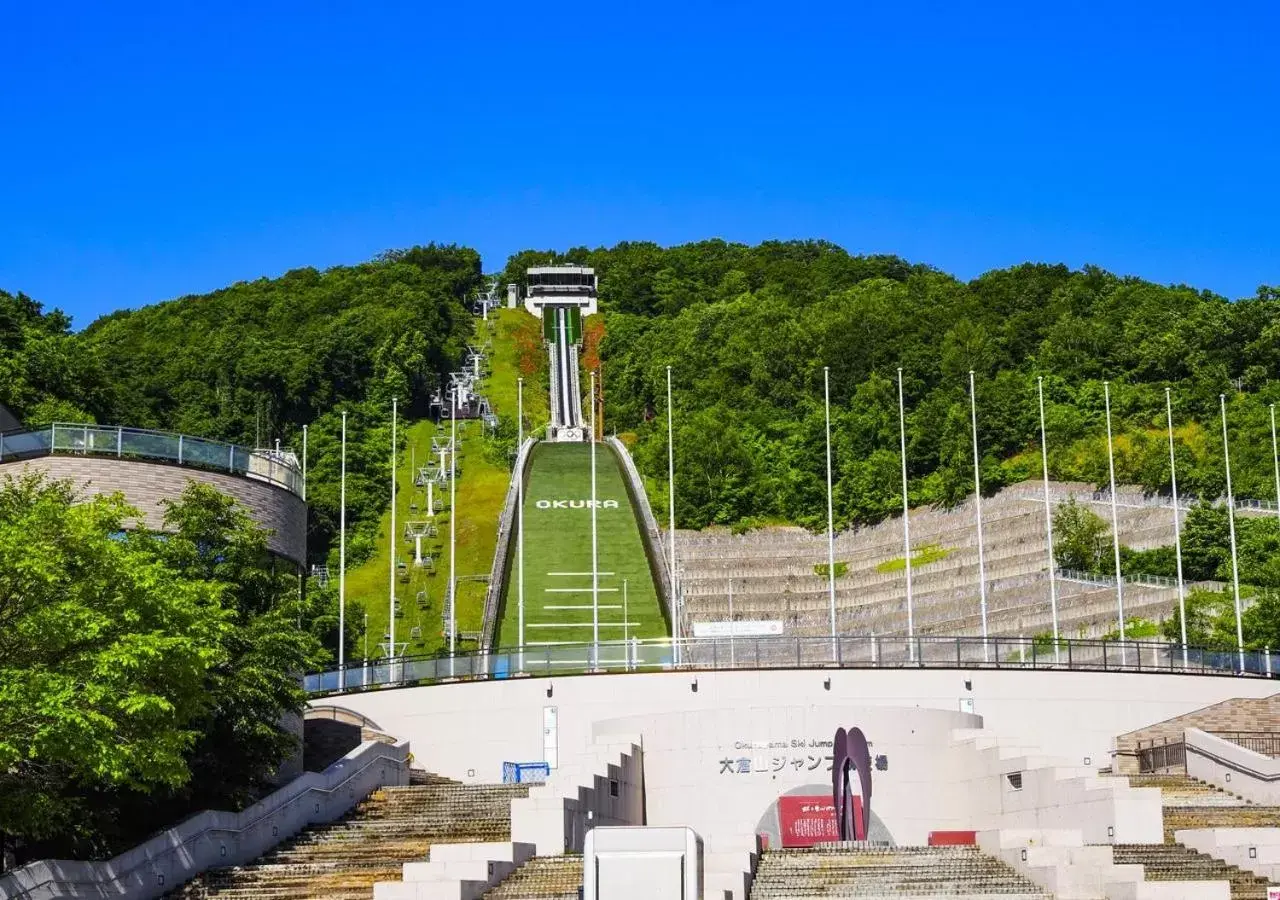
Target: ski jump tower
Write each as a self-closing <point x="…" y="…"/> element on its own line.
<point x="560" y="296"/>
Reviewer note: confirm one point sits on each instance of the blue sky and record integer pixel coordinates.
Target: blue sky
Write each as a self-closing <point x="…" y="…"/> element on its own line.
<point x="153" y="150"/>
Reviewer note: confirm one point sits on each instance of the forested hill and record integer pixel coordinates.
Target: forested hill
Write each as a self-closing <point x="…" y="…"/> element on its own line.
<point x="747" y="331"/>
<point x="257" y="360"/>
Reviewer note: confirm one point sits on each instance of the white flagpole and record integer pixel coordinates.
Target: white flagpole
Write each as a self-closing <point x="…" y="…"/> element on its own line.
<point x="1275" y="455"/>
<point x="595" y="550"/>
<point x="1048" y="522"/>
<point x="831" y="532"/>
<point x="453" y="529"/>
<point x="1177" y="528"/>
<point x="1115" y="519"/>
<point x="305" y="464"/>
<point x="342" y="563"/>
<point x="1231" y="521"/>
<point x="906" y="521"/>
<point x="732" y="627"/>
<point x="977" y="499"/>
<point x="676" y="611"/>
<point x="520" y="514"/>
<point x="391" y="582"/>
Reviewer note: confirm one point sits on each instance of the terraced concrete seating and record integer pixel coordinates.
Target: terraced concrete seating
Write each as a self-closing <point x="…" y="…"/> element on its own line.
<point x="1177" y="818"/>
<point x="393" y="826"/>
<point x="898" y="872"/>
<point x="542" y="878"/>
<point x="1184" y="791"/>
<point x="1174" y="862"/>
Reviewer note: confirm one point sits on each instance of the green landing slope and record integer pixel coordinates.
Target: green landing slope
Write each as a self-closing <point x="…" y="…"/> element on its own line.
<point x="557" y="555"/>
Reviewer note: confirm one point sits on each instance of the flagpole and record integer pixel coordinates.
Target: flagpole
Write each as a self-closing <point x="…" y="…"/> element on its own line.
<point x="453" y="528"/>
<point x="595" y="549"/>
<point x="732" y="627"/>
<point x="304" y="464"/>
<point x="831" y="533"/>
<point x="1115" y="519"/>
<point x="391" y="582"/>
<point x="1275" y="456"/>
<point x="1048" y="521"/>
<point x="1177" y="528"/>
<point x="977" y="499"/>
<point x="671" y="527"/>
<point x="1231" y="521"/>
<point x="520" y="514"/>
<point x="342" y="563"/>
<point x="906" y="520"/>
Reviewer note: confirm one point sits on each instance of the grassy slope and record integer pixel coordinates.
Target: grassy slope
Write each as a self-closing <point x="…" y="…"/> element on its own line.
<point x="559" y="540"/>
<point x="481" y="490"/>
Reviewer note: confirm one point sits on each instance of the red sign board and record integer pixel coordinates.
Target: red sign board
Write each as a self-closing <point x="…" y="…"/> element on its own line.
<point x="811" y="820"/>
<point x="952" y="838"/>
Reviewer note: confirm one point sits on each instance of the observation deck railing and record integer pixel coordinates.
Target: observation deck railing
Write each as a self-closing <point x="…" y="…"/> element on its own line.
<point x="784" y="652"/>
<point x="63" y="438"/>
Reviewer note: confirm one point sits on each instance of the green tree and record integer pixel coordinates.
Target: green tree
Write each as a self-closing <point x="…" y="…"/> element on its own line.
<point x="105" y="655"/>
<point x="1079" y="537"/>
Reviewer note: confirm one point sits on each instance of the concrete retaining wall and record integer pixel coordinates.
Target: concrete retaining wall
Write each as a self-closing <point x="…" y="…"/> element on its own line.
<point x="145" y="485"/>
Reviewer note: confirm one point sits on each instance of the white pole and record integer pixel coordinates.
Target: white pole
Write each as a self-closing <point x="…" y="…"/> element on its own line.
<point x="1231" y="521"/>
<point x="453" y="529"/>
<point x="732" y="626"/>
<point x="1048" y="522"/>
<point x="391" y="582"/>
<point x="906" y="521"/>
<point x="671" y="525"/>
<point x="1177" y="528"/>
<point x="1115" y="520"/>
<point x="977" y="500"/>
<point x="519" y="513"/>
<point x="304" y="462"/>
<point x="1275" y="457"/>
<point x="831" y="533"/>
<point x="624" y="613"/>
<point x="342" y="563"/>
<point x="595" y="550"/>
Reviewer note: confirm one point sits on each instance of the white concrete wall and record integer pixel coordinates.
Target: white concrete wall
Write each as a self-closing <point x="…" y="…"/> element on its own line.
<point x="1233" y="768"/>
<point x="466" y="730"/>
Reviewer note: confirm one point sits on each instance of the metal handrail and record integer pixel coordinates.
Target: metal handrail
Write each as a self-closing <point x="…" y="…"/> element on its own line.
<point x="791" y="652"/>
<point x="275" y="467"/>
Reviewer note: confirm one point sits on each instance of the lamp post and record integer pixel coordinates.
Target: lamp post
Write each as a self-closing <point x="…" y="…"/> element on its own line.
<point x="1231" y="522"/>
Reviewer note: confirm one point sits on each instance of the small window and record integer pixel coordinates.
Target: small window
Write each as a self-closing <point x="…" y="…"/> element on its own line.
<point x="1015" y="780"/>
<point x="613" y="788"/>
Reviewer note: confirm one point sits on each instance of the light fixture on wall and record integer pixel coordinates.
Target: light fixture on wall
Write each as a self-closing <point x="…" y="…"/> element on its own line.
<point x="1253" y="852"/>
<point x="550" y="689"/>
<point x="826" y="684"/>
<point x="1024" y="854"/>
<point x="1111" y="831"/>
<point x="693" y="685"/>
<point x="968" y="685"/>
<point x="1228" y="776"/>
<point x="1088" y="760"/>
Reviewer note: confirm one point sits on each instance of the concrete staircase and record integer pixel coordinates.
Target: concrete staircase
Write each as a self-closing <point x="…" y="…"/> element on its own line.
<point x="899" y="872"/>
<point x="1187" y="803"/>
<point x="1174" y="862"/>
<point x="542" y="878"/>
<point x="344" y="859"/>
